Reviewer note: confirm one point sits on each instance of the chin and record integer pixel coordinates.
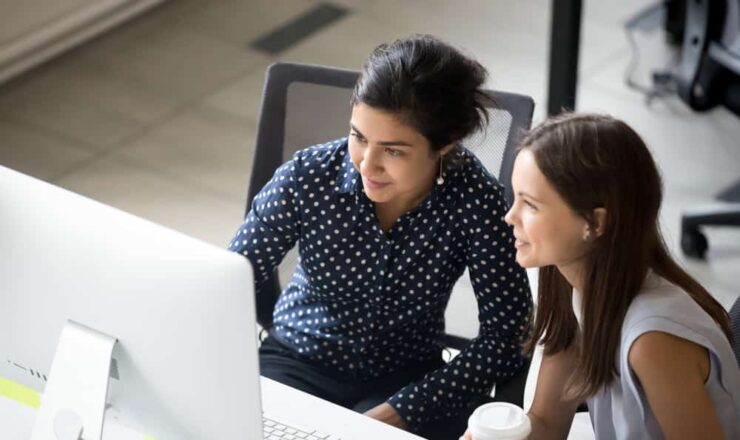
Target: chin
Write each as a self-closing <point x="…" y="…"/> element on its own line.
<point x="377" y="197"/>
<point x="525" y="262"/>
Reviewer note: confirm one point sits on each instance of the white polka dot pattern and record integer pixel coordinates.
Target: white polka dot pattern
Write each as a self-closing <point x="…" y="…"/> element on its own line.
<point x="367" y="303"/>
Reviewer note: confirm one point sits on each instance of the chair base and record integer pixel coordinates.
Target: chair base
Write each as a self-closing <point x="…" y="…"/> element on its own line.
<point x="693" y="242"/>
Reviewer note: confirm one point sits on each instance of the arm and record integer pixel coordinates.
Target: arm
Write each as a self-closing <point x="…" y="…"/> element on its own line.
<point x="672" y="372"/>
<point x="386" y="414"/>
<point x="550" y="416"/>
<point x="271" y="227"/>
<point x="504" y="304"/>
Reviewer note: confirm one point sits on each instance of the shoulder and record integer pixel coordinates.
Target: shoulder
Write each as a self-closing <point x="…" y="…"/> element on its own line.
<point x="308" y="168"/>
<point x="318" y="157"/>
<point x="661" y="303"/>
<point x="664" y="324"/>
<point x="474" y="180"/>
<point x="481" y="199"/>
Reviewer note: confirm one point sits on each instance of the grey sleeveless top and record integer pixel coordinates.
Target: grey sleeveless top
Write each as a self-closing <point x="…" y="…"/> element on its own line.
<point x="621" y="411"/>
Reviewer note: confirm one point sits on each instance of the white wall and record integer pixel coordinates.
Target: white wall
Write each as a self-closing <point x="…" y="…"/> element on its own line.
<point x="32" y="31"/>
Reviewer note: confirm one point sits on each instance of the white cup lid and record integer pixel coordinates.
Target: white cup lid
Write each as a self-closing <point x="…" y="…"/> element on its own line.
<point x="499" y="421"/>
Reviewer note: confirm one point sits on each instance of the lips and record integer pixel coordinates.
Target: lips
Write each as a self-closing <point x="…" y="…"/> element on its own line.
<point x="518" y="243"/>
<point x="373" y="184"/>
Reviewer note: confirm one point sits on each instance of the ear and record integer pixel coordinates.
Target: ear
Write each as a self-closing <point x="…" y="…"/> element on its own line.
<point x="600" y="217"/>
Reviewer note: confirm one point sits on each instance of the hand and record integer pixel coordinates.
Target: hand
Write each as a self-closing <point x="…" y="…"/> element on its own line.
<point x="386" y="414"/>
<point x="466" y="436"/>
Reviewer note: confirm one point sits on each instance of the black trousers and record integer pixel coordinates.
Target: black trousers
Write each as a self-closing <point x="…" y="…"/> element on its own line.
<point x="279" y="363"/>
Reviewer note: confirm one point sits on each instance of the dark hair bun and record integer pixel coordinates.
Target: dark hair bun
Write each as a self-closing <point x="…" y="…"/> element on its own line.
<point x="430" y="84"/>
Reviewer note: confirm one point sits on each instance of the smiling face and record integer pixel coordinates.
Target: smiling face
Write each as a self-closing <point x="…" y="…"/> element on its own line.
<point x="396" y="162"/>
<point x="547" y="230"/>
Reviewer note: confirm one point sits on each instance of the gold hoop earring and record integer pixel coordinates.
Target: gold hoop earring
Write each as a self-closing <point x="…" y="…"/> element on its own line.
<point x="440" y="177"/>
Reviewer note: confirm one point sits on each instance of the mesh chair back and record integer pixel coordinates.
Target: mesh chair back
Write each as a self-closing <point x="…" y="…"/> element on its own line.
<point x="304" y="105"/>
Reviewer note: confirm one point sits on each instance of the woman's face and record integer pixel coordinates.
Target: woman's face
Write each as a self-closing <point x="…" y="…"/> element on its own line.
<point x="547" y="230"/>
<point x="395" y="160"/>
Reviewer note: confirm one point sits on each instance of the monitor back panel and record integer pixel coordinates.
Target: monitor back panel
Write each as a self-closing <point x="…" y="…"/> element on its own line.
<point x="181" y="309"/>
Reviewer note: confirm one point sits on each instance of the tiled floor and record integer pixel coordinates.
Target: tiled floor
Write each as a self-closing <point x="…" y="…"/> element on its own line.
<point x="158" y="116"/>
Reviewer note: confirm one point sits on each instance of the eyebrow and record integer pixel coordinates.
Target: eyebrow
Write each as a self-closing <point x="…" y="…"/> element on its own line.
<point x="522" y="193"/>
<point x="398" y="143"/>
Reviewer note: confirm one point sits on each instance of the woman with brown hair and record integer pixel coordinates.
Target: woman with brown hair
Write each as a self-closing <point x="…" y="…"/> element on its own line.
<point x="624" y="327"/>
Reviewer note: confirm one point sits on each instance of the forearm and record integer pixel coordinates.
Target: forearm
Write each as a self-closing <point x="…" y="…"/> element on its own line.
<point x="551" y="415"/>
<point x="541" y="430"/>
<point x="386" y="414"/>
<point x="467" y="378"/>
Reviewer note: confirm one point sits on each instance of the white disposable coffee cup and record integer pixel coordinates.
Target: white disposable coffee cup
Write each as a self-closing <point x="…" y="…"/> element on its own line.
<point x="499" y="421"/>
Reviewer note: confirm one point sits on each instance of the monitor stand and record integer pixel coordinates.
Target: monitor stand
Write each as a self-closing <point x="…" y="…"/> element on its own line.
<point x="73" y="402"/>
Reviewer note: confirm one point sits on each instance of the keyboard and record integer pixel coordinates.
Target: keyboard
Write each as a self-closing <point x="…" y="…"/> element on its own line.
<point x="274" y="430"/>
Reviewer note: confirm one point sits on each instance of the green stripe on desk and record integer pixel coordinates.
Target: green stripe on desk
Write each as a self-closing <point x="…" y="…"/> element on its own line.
<point x="19" y="393"/>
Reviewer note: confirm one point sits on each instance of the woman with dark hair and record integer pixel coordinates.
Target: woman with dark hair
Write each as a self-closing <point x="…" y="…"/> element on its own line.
<point x="386" y="221"/>
<point x="623" y="325"/>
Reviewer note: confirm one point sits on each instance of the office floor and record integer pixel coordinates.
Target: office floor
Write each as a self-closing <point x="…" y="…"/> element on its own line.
<point x="158" y="116"/>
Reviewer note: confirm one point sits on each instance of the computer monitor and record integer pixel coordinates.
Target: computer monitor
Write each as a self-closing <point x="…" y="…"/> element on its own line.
<point x="182" y="311"/>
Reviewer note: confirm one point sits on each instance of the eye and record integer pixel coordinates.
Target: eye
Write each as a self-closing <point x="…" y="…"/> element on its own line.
<point x="394" y="153"/>
<point x="529" y="205"/>
<point x="358" y="137"/>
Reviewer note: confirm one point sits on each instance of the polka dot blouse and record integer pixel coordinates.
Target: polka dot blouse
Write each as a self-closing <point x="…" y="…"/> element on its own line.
<point x="366" y="302"/>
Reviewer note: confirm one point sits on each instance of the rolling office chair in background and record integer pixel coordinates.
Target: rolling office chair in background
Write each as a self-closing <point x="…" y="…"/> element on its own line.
<point x="304" y="105"/>
<point x="708" y="75"/>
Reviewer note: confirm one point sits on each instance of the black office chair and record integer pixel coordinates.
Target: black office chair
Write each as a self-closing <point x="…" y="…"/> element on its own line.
<point x="709" y="75"/>
<point x="304" y="105"/>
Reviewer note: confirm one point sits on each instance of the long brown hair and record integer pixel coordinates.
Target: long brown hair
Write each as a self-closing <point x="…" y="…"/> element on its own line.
<point x="596" y="161"/>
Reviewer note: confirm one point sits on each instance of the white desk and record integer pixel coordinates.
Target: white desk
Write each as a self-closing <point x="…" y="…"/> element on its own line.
<point x="287" y="404"/>
<point x="278" y="402"/>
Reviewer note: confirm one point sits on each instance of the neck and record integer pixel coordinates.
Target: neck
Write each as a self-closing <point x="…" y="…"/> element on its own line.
<point x="388" y="212"/>
<point x="405" y="204"/>
<point x="573" y="273"/>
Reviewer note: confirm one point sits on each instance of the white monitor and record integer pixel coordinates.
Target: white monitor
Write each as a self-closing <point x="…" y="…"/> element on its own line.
<point x="182" y="311"/>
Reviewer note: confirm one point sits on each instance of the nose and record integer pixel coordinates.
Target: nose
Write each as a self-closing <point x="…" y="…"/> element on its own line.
<point x="371" y="161"/>
<point x="509" y="217"/>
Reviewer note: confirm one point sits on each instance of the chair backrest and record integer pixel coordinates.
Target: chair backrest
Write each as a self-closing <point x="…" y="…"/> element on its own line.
<point x="304" y="105"/>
